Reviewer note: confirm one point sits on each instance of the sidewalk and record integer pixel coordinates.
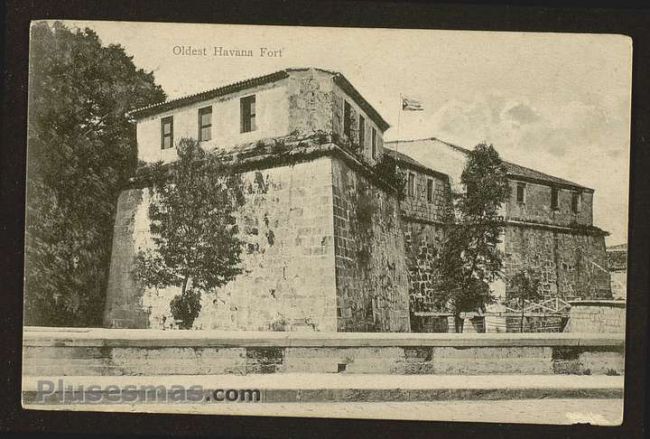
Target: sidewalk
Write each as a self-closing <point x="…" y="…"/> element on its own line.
<point x="346" y="381"/>
<point x="286" y="388"/>
<point x="604" y="412"/>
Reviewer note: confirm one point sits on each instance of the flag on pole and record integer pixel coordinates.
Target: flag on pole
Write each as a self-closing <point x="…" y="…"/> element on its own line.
<point x="410" y="104"/>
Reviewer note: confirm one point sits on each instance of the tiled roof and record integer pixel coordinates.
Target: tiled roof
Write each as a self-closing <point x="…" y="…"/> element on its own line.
<point x="409" y="161"/>
<point x="513" y="169"/>
<point x="209" y="94"/>
<point x="339" y="79"/>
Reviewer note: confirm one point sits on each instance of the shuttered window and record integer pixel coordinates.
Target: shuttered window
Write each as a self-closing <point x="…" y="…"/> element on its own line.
<point x="248" y="114"/>
<point x="166" y="132"/>
<point x="205" y="124"/>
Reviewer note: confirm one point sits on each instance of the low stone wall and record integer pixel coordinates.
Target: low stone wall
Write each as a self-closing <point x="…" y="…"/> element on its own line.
<point x="69" y="352"/>
<point x="597" y="316"/>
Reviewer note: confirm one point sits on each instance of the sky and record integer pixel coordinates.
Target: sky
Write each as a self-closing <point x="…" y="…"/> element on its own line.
<point x="558" y="103"/>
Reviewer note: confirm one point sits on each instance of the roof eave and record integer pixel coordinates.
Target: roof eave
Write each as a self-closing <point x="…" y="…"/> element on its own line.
<point x="162" y="107"/>
<point x="561" y="185"/>
<point x="514" y="175"/>
<point x="347" y="86"/>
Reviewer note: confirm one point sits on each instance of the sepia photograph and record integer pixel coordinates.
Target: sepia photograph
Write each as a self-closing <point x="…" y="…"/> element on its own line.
<point x="367" y="223"/>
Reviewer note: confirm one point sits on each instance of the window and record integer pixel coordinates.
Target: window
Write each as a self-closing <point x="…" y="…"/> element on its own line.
<point x="554" y="194"/>
<point x="373" y="139"/>
<point x="576" y="202"/>
<point x="205" y="124"/>
<point x="521" y="193"/>
<point x="430" y="190"/>
<point x="362" y="131"/>
<point x="247" y="105"/>
<point x="167" y="132"/>
<point x="347" y="119"/>
<point x="411" y="184"/>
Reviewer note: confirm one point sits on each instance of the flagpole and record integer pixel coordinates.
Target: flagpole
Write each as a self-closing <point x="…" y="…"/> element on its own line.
<point x="398" y="121"/>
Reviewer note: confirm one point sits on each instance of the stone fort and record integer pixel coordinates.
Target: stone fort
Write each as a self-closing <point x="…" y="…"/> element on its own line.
<point x="330" y="245"/>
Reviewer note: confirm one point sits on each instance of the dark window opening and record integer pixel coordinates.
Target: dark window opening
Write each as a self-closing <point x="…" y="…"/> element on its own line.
<point x="411" y="184"/>
<point x="554" y="196"/>
<point x="575" y="202"/>
<point x="373" y="139"/>
<point x="347" y="119"/>
<point x="248" y="114"/>
<point x="205" y="124"/>
<point x="167" y="132"/>
<point x="430" y="190"/>
<point x="469" y="191"/>
<point x="521" y="192"/>
<point x="362" y="131"/>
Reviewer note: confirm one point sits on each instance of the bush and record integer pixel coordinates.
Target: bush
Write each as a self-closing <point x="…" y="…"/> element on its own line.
<point x="186" y="308"/>
<point x="388" y="170"/>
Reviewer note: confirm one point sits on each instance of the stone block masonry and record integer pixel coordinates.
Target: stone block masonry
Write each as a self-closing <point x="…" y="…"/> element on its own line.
<point x="423" y="242"/>
<point x="66" y="352"/>
<point x="571" y="264"/>
<point x="288" y="279"/>
<point x="323" y="251"/>
<point x="537" y="204"/>
<point x="371" y="273"/>
<point x="597" y="316"/>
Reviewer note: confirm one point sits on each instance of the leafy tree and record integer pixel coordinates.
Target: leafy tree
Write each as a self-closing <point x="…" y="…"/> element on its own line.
<point x="469" y="259"/>
<point x="81" y="150"/>
<point x="193" y="226"/>
<point x="524" y="285"/>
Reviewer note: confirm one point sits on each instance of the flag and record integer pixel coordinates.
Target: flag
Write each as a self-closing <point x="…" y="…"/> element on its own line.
<point x="410" y="104"/>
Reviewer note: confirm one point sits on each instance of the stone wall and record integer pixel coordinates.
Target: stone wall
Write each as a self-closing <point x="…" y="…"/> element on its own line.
<point x="316" y="103"/>
<point x="417" y="206"/>
<point x="619" y="284"/>
<point x="423" y="229"/>
<point x="323" y="251"/>
<point x="272" y="120"/>
<point x="617" y="264"/>
<point x="310" y="102"/>
<point x="570" y="264"/>
<point x="133" y="352"/>
<point x="606" y="316"/>
<point x="288" y="258"/>
<point x="371" y="277"/>
<point x="124" y="307"/>
<point x="422" y="242"/>
<point x="365" y="151"/>
<point x="537" y="205"/>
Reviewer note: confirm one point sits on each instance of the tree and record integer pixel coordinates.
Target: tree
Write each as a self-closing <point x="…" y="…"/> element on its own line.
<point x="193" y="225"/>
<point x="469" y="259"/>
<point x="524" y="285"/>
<point x="81" y="150"/>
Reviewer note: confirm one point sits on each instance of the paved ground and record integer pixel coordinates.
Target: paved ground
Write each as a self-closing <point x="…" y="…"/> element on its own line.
<point x="527" y="411"/>
<point x="347" y="381"/>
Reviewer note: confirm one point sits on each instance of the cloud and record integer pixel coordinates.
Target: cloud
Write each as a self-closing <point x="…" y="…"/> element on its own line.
<point x="585" y="142"/>
<point x="521" y="113"/>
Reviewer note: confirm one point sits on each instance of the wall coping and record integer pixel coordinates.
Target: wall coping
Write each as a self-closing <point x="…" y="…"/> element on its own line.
<point x="251" y="156"/>
<point x="604" y="303"/>
<point x="102" y="337"/>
